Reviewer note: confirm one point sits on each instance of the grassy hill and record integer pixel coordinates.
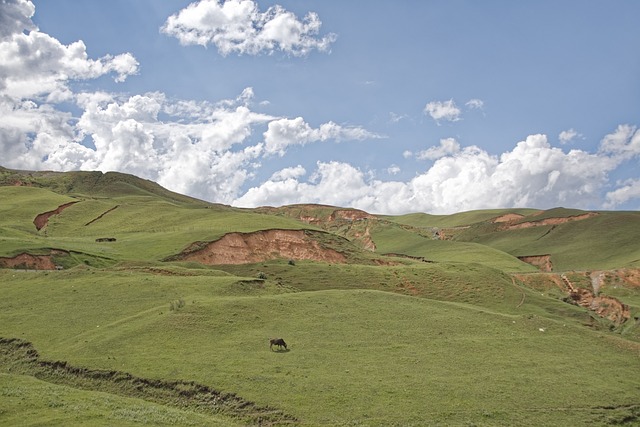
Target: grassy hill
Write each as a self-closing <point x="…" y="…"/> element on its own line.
<point x="418" y="319"/>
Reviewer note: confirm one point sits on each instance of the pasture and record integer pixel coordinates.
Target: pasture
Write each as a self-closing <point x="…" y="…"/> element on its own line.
<point x="441" y="333"/>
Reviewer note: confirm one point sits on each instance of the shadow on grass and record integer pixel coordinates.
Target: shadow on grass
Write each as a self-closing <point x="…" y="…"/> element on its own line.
<point x="281" y="350"/>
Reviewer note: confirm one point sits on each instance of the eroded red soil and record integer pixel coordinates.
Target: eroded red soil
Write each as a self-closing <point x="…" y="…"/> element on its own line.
<point x="31" y="262"/>
<point x="547" y="221"/>
<point x="584" y="289"/>
<point x="244" y="248"/>
<point x="41" y="220"/>
<point x="543" y="262"/>
<point x="508" y="217"/>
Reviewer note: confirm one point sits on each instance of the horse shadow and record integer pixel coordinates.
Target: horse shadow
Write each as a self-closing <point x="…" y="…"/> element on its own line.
<point x="281" y="350"/>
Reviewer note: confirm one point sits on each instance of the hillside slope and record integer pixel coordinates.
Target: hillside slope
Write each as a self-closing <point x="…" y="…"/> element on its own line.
<point x="162" y="305"/>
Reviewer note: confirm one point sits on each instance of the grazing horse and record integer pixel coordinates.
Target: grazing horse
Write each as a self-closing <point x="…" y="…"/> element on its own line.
<point x="277" y="341"/>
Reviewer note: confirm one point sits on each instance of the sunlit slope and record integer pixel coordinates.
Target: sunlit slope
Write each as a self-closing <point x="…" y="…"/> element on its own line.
<point x="93" y="184"/>
<point x="355" y="356"/>
<point x="574" y="239"/>
<point x="29" y="401"/>
<point x="394" y="239"/>
<point x="423" y="220"/>
<point x="145" y="227"/>
<point x="605" y="240"/>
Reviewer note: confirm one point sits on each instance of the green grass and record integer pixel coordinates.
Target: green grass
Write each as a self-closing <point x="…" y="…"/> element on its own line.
<point x="376" y="341"/>
<point x="391" y="239"/>
<point x="27" y="401"/>
<point x="455" y="220"/>
<point x="606" y="241"/>
<point x="356" y="356"/>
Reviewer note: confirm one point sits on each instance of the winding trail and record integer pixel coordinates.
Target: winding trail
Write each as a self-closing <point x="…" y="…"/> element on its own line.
<point x="513" y="281"/>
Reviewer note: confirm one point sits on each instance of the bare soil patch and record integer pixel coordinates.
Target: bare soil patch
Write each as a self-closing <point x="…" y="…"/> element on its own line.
<point x="28" y="261"/>
<point x="576" y="286"/>
<point x="508" y="217"/>
<point x="245" y="248"/>
<point x="547" y="221"/>
<point x="41" y="220"/>
<point x="543" y="262"/>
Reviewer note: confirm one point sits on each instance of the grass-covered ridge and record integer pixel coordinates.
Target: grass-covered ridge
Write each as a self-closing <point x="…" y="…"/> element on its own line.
<point x="421" y="320"/>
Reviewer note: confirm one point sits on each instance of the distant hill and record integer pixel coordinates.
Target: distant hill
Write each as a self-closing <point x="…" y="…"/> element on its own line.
<point x="94" y="184"/>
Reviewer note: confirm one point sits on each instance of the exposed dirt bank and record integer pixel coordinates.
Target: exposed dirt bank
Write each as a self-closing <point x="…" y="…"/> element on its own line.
<point x="543" y="262"/>
<point x="547" y="221"/>
<point x="42" y="219"/>
<point x="245" y="248"/>
<point x="354" y="224"/>
<point x="586" y="289"/>
<point x="508" y="217"/>
<point x="18" y="356"/>
<point x="32" y="262"/>
<point x="604" y="306"/>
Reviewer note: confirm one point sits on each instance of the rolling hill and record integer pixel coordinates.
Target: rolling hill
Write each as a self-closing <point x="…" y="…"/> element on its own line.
<point x="160" y="306"/>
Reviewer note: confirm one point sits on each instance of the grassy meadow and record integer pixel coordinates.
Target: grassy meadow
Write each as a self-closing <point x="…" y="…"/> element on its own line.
<point x="442" y="333"/>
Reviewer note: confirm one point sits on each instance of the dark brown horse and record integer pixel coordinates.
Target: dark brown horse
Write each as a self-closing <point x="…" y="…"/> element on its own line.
<point x="277" y="341"/>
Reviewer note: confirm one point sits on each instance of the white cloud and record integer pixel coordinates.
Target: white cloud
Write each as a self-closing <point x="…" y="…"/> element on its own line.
<point x="532" y="174"/>
<point x="238" y="26"/>
<point x="448" y="146"/>
<point x="283" y="133"/>
<point x="393" y="170"/>
<point x="446" y="110"/>
<point x="206" y="149"/>
<point x="567" y="136"/>
<point x="395" y="118"/>
<point x="629" y="190"/>
<point x="622" y="144"/>
<point x="475" y="104"/>
<point x="16" y="17"/>
<point x="36" y="64"/>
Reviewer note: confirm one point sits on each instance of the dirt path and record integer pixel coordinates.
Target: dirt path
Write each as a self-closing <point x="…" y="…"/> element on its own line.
<point x="513" y="281"/>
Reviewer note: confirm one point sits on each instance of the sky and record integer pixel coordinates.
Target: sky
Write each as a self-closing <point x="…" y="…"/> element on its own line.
<point x="387" y="106"/>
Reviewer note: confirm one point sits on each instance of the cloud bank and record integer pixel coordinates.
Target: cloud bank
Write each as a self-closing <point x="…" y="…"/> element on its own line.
<point x="237" y="26"/>
<point x="533" y="174"/>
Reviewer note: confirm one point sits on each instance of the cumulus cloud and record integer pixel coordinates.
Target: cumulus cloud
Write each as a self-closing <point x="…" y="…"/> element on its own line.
<point x="16" y="17"/>
<point x="285" y="132"/>
<point x="203" y="149"/>
<point x="35" y="64"/>
<point x="532" y="174"/>
<point x="238" y="26"/>
<point x="211" y="150"/>
<point x="446" y="110"/>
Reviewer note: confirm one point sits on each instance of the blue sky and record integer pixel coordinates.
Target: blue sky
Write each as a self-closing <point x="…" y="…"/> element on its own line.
<point x="391" y="107"/>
